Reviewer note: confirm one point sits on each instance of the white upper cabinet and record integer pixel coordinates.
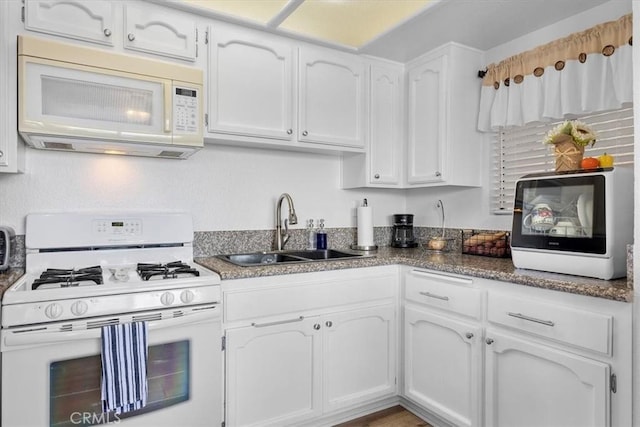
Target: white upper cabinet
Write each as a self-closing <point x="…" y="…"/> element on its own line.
<point x="91" y="21"/>
<point x="437" y="144"/>
<point x="443" y="146"/>
<point x="159" y="31"/>
<point x="11" y="150"/>
<point x="331" y="98"/>
<point x="427" y="121"/>
<point x="143" y="27"/>
<point x="381" y="165"/>
<point x="385" y="144"/>
<point x="270" y="91"/>
<point x="250" y="84"/>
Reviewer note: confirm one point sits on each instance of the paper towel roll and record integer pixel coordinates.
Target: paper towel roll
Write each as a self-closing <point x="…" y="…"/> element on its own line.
<point x="365" y="226"/>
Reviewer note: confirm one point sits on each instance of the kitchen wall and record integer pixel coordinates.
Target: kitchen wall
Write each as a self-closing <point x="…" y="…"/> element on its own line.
<point x="228" y="188"/>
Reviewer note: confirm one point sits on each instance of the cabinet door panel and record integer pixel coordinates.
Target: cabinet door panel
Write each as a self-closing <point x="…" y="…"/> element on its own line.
<point x="273" y="374"/>
<point x="331" y="98"/>
<point x="161" y="32"/>
<point x="427" y="122"/>
<point x="251" y="85"/>
<point x="443" y="365"/>
<point x="531" y="385"/>
<point x="386" y="122"/>
<point x="359" y="355"/>
<point x="90" y="21"/>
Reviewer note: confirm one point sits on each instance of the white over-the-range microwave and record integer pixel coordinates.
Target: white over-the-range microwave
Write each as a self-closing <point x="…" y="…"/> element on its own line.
<point x="577" y="222"/>
<point x="75" y="98"/>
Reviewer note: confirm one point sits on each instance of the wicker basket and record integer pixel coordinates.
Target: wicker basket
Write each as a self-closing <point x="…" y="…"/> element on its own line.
<point x="489" y="243"/>
<point x="568" y="154"/>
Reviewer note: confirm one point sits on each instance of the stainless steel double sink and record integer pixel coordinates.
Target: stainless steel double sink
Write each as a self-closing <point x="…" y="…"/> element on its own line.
<point x="288" y="257"/>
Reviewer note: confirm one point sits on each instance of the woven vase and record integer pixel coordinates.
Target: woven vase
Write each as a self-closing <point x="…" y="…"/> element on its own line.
<point x="568" y="154"/>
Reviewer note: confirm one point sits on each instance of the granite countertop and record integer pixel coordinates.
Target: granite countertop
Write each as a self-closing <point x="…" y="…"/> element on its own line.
<point x="9" y="277"/>
<point x="470" y="265"/>
<point x="476" y="266"/>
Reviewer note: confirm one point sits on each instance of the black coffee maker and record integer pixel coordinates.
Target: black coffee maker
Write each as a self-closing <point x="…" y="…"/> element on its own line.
<point x="403" y="231"/>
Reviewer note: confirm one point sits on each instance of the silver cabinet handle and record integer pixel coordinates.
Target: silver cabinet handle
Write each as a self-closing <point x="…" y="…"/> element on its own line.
<point x="329" y="323"/>
<point x="289" y="131"/>
<point x="279" y="322"/>
<point x="531" y="319"/>
<point x="107" y="32"/>
<point x="489" y="341"/>
<point x="430" y="295"/>
<point x="469" y="335"/>
<point x="316" y="326"/>
<point x="438" y="174"/>
<point x="305" y="133"/>
<point x="131" y="37"/>
<point x="1" y="154"/>
<point x="377" y="176"/>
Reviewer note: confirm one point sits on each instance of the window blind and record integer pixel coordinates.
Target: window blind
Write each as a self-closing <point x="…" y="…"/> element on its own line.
<point x="518" y="151"/>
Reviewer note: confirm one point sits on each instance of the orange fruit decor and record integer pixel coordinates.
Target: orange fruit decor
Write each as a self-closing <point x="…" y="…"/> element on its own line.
<point x="589" y="163"/>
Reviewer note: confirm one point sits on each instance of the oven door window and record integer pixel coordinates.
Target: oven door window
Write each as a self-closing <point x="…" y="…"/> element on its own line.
<point x="561" y="213"/>
<point x="74" y="395"/>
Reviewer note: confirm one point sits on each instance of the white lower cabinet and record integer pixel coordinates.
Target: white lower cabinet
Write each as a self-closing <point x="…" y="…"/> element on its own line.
<point x="310" y="349"/>
<point x="359" y="363"/>
<point x="443" y="365"/>
<point x="485" y="353"/>
<point x="325" y="352"/>
<point x="531" y="385"/>
<point x="284" y="372"/>
<point x="273" y="373"/>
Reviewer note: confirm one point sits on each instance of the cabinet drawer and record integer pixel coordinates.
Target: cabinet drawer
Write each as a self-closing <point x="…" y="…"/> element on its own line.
<point x="297" y="297"/>
<point x="568" y="325"/>
<point x="449" y="293"/>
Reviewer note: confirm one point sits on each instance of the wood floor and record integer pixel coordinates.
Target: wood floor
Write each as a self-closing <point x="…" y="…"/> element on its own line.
<point x="396" y="416"/>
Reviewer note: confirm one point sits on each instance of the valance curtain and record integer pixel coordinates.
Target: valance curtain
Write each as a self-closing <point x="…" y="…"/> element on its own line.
<point x="586" y="72"/>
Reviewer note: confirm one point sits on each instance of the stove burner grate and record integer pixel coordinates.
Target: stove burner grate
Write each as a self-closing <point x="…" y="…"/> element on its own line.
<point x="170" y="270"/>
<point x="68" y="277"/>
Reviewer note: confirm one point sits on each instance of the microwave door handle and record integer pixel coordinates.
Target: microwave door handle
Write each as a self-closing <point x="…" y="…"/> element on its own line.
<point x="167" y="106"/>
<point x="45" y="337"/>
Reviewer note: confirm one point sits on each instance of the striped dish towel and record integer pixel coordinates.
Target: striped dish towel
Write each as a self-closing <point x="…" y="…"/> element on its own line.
<point x="124" y="367"/>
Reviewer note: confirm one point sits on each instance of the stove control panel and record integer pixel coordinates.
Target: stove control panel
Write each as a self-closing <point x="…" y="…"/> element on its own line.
<point x="113" y="227"/>
<point x="103" y="305"/>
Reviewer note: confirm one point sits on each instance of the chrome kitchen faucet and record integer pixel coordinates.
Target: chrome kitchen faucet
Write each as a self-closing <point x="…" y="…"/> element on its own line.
<point x="283" y="236"/>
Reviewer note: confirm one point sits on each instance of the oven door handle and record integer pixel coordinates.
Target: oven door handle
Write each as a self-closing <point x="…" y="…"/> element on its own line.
<point x="44" y="336"/>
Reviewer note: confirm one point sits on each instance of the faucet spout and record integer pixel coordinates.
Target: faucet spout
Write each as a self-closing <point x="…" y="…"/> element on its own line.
<point x="282" y="236"/>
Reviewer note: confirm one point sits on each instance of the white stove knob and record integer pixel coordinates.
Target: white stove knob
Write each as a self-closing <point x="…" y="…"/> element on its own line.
<point x="187" y="296"/>
<point x="79" y="308"/>
<point x="167" y="298"/>
<point x="53" y="311"/>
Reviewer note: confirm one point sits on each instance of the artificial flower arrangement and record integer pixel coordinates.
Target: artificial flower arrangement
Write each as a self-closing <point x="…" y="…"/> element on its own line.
<point x="580" y="133"/>
<point x="569" y="139"/>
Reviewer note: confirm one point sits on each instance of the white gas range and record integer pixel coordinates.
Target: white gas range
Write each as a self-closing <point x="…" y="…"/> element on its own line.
<point x="87" y="270"/>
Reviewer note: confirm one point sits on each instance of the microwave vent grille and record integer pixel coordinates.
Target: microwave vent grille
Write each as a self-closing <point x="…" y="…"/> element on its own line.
<point x="170" y="154"/>
<point x="58" y="145"/>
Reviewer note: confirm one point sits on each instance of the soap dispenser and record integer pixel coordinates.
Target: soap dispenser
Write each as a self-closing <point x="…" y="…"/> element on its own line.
<point x="321" y="236"/>
<point x="311" y="231"/>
